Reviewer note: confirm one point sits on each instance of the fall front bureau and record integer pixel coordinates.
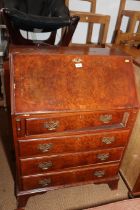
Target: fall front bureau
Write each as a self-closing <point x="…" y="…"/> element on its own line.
<point x="73" y="110"/>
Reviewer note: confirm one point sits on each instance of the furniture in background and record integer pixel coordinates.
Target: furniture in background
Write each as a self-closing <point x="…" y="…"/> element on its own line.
<point x="130" y="168"/>
<point x="41" y="17"/>
<point x="103" y="20"/>
<point x="72" y="121"/>
<point x="128" y="41"/>
<point x="91" y="10"/>
<point x="132" y="34"/>
<point x="92" y="18"/>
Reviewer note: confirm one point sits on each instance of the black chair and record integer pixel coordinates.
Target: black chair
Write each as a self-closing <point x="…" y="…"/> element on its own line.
<point x="43" y="15"/>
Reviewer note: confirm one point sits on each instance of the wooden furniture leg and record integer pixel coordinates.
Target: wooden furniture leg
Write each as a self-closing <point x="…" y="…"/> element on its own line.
<point x="113" y="185"/>
<point x="22" y="201"/>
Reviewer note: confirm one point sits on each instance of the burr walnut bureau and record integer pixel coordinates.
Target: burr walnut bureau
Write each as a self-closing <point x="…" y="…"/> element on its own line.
<point x="72" y="110"/>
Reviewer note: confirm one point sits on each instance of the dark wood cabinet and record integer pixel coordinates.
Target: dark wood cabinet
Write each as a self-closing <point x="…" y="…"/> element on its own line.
<point x="73" y="110"/>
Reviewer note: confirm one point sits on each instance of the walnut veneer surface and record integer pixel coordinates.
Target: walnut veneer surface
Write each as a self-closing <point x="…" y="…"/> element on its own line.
<point x="72" y="110"/>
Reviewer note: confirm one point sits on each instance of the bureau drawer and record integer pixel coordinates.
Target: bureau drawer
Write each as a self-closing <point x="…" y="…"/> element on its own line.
<point x="70" y="176"/>
<point x="71" y="144"/>
<point x="56" y="162"/>
<point x="72" y="122"/>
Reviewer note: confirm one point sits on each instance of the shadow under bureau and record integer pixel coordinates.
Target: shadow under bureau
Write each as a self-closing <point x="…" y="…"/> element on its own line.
<point x="73" y="110"/>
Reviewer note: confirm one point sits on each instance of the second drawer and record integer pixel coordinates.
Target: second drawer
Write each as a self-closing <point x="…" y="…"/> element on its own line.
<point x="71" y="144"/>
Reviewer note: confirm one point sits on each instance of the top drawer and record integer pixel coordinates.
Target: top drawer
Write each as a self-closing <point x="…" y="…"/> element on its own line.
<point x="68" y="122"/>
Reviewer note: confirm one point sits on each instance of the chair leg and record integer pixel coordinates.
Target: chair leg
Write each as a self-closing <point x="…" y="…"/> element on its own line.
<point x="22" y="201"/>
<point x="69" y="31"/>
<point x="51" y="39"/>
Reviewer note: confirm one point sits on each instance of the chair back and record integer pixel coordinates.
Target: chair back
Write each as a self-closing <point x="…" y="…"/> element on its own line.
<point x="42" y="16"/>
<point x="133" y="20"/>
<point x="91" y="19"/>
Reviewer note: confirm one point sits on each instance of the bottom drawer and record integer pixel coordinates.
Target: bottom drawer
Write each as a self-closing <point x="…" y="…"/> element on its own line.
<point x="70" y="176"/>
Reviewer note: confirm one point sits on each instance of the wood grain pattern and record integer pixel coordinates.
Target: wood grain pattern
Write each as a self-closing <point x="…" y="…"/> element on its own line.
<point x="41" y="85"/>
<point x="37" y="165"/>
<point x="71" y="122"/>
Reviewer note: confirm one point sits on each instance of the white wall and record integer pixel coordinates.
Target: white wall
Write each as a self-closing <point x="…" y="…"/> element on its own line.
<point x="108" y="7"/>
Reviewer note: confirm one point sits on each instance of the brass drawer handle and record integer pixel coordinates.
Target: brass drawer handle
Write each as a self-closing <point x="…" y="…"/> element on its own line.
<point x="103" y="157"/>
<point x="45" y="182"/>
<point x="52" y="125"/>
<point x="106" y="118"/>
<point x="45" y="147"/>
<point x="45" y="165"/>
<point x="108" y="140"/>
<point x="99" y="173"/>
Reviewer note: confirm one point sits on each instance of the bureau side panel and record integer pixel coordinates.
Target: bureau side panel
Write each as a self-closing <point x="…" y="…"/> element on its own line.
<point x="132" y="154"/>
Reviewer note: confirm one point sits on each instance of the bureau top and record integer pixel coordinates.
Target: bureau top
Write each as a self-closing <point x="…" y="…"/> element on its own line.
<point x="73" y="50"/>
<point x="70" y="80"/>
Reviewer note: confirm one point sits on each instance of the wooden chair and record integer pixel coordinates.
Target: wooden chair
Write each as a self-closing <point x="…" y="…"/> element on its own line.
<point x="131" y="39"/>
<point x="91" y="18"/>
<point x="103" y="20"/>
<point x="92" y="9"/>
<point x="130" y="36"/>
<point x="128" y="41"/>
<point x="51" y="18"/>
